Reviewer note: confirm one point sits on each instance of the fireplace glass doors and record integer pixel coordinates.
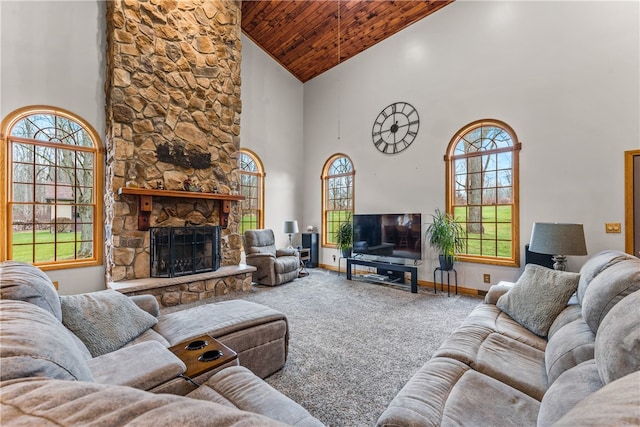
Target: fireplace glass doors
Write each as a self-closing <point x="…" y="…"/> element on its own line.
<point x="180" y="251"/>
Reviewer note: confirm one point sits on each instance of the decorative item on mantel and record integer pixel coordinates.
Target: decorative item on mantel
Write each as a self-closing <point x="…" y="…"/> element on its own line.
<point x="192" y="185"/>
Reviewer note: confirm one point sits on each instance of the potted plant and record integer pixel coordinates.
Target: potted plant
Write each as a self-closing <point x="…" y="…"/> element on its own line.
<point x="344" y="238"/>
<point x="445" y="234"/>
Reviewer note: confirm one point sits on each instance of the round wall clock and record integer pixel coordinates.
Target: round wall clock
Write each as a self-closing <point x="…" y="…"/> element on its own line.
<point x="395" y="128"/>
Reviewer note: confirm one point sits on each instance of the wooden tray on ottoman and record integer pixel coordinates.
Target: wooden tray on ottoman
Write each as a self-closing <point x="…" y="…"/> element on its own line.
<point x="202" y="354"/>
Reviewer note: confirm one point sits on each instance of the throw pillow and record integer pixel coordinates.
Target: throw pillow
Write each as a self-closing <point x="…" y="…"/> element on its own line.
<point x="538" y="296"/>
<point x="105" y="320"/>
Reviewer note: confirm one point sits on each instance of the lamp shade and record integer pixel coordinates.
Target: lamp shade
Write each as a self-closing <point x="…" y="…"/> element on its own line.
<point x="290" y="227"/>
<point x="557" y="239"/>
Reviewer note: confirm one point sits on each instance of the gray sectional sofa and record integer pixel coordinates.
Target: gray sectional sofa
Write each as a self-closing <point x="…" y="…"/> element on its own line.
<point x="555" y="348"/>
<point x="102" y="358"/>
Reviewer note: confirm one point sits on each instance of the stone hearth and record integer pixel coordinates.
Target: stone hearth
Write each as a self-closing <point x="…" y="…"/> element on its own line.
<point x="173" y="115"/>
<point x="186" y="289"/>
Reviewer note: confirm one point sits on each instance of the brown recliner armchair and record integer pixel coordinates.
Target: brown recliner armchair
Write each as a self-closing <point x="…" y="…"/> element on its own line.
<point x="274" y="266"/>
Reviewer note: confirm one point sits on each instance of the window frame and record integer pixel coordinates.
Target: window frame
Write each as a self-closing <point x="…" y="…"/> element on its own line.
<point x="325" y="177"/>
<point x="6" y="190"/>
<point x="260" y="175"/>
<point x="514" y="260"/>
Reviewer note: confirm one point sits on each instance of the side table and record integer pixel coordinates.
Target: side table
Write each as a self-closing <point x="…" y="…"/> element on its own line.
<point x="304" y="254"/>
<point x="442" y="271"/>
<point x="202" y="354"/>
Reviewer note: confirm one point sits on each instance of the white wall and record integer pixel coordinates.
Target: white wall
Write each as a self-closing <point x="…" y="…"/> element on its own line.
<point x="271" y="126"/>
<point x="52" y="53"/>
<point x="564" y="75"/>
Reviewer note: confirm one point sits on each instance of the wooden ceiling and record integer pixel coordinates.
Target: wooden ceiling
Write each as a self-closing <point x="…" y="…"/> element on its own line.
<point x="302" y="35"/>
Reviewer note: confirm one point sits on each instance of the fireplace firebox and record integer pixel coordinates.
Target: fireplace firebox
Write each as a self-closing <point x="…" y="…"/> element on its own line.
<point x="180" y="251"/>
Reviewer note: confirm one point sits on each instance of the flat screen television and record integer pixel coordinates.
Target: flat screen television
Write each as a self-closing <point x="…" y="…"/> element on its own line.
<point x="383" y="236"/>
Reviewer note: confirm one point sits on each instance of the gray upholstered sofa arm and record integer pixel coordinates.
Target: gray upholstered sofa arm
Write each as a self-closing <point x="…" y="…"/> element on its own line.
<point x="142" y="366"/>
<point x="260" y="255"/>
<point x="496" y="291"/>
<point x="148" y="303"/>
<point x="286" y="252"/>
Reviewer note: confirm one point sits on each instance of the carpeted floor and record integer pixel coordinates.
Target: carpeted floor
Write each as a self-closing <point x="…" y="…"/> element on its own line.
<point x="353" y="345"/>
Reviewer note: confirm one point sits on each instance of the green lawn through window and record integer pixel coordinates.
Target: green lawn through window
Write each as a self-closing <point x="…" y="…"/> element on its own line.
<point x="496" y="238"/>
<point x="45" y="245"/>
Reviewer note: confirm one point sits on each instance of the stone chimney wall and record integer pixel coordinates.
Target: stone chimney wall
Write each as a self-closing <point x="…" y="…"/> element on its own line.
<point x="173" y="114"/>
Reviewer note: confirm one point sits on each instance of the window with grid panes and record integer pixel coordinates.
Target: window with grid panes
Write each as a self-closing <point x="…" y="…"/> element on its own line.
<point x="482" y="191"/>
<point x="252" y="188"/>
<point x="54" y="198"/>
<point x="338" y="196"/>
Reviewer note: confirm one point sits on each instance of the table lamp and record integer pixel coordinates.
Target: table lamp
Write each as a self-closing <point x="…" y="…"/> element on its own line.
<point x="290" y="227"/>
<point x="558" y="240"/>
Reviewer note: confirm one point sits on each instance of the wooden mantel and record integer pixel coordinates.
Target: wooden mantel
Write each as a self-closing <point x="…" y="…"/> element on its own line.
<point x="146" y="195"/>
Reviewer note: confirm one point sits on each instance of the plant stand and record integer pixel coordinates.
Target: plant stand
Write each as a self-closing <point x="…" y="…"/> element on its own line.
<point x="442" y="271"/>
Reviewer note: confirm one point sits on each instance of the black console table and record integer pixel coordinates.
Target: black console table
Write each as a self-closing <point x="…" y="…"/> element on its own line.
<point x="385" y="267"/>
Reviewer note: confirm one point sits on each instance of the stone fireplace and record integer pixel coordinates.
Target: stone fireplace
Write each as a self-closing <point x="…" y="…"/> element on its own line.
<point x="183" y="251"/>
<point x="173" y="123"/>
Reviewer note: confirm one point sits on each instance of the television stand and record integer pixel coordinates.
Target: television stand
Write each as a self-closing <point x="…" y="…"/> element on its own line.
<point x="387" y="269"/>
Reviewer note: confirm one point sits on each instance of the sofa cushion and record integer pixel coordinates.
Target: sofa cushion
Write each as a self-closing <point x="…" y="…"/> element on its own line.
<point x="259" y="242"/>
<point x="595" y="265"/>
<point x="24" y="282"/>
<point x="33" y="343"/>
<point x="144" y="366"/>
<point x="615" y="404"/>
<point x="286" y="264"/>
<point x="570" y="346"/>
<point x="215" y="319"/>
<point x="617" y="347"/>
<point x="567" y="390"/>
<point x="448" y="392"/>
<point x="539" y="295"/>
<point x="608" y="288"/>
<point x="465" y="342"/>
<point x="105" y="320"/>
<point x="513" y="363"/>
<point x="566" y="316"/>
<point x="239" y="387"/>
<point x="38" y="402"/>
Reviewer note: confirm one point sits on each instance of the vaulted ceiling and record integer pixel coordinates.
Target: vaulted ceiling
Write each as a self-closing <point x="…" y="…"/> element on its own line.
<point x="308" y="37"/>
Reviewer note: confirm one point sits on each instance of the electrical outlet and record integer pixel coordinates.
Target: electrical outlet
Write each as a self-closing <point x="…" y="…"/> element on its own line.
<point x="486" y="278"/>
<point x="613" y="227"/>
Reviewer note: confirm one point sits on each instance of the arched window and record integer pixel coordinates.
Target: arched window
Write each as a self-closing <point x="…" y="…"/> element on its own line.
<point x="482" y="191"/>
<point x="252" y="188"/>
<point x="53" y="200"/>
<point x="337" y="195"/>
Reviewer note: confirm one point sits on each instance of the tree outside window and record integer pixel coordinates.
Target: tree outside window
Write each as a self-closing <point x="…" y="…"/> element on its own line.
<point x="338" y="195"/>
<point x="54" y="167"/>
<point x="252" y="188"/>
<point x="482" y="191"/>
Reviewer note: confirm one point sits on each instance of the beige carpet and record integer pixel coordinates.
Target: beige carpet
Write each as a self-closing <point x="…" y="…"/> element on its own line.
<point x="353" y="345"/>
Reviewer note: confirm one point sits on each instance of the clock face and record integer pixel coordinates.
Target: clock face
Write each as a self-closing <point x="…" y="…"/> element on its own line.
<point x="395" y="128"/>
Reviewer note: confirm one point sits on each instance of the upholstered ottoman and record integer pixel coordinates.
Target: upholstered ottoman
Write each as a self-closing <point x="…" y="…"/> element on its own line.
<point x="259" y="334"/>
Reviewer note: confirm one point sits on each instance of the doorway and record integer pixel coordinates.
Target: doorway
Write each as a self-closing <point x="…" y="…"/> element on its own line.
<point x="632" y="201"/>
